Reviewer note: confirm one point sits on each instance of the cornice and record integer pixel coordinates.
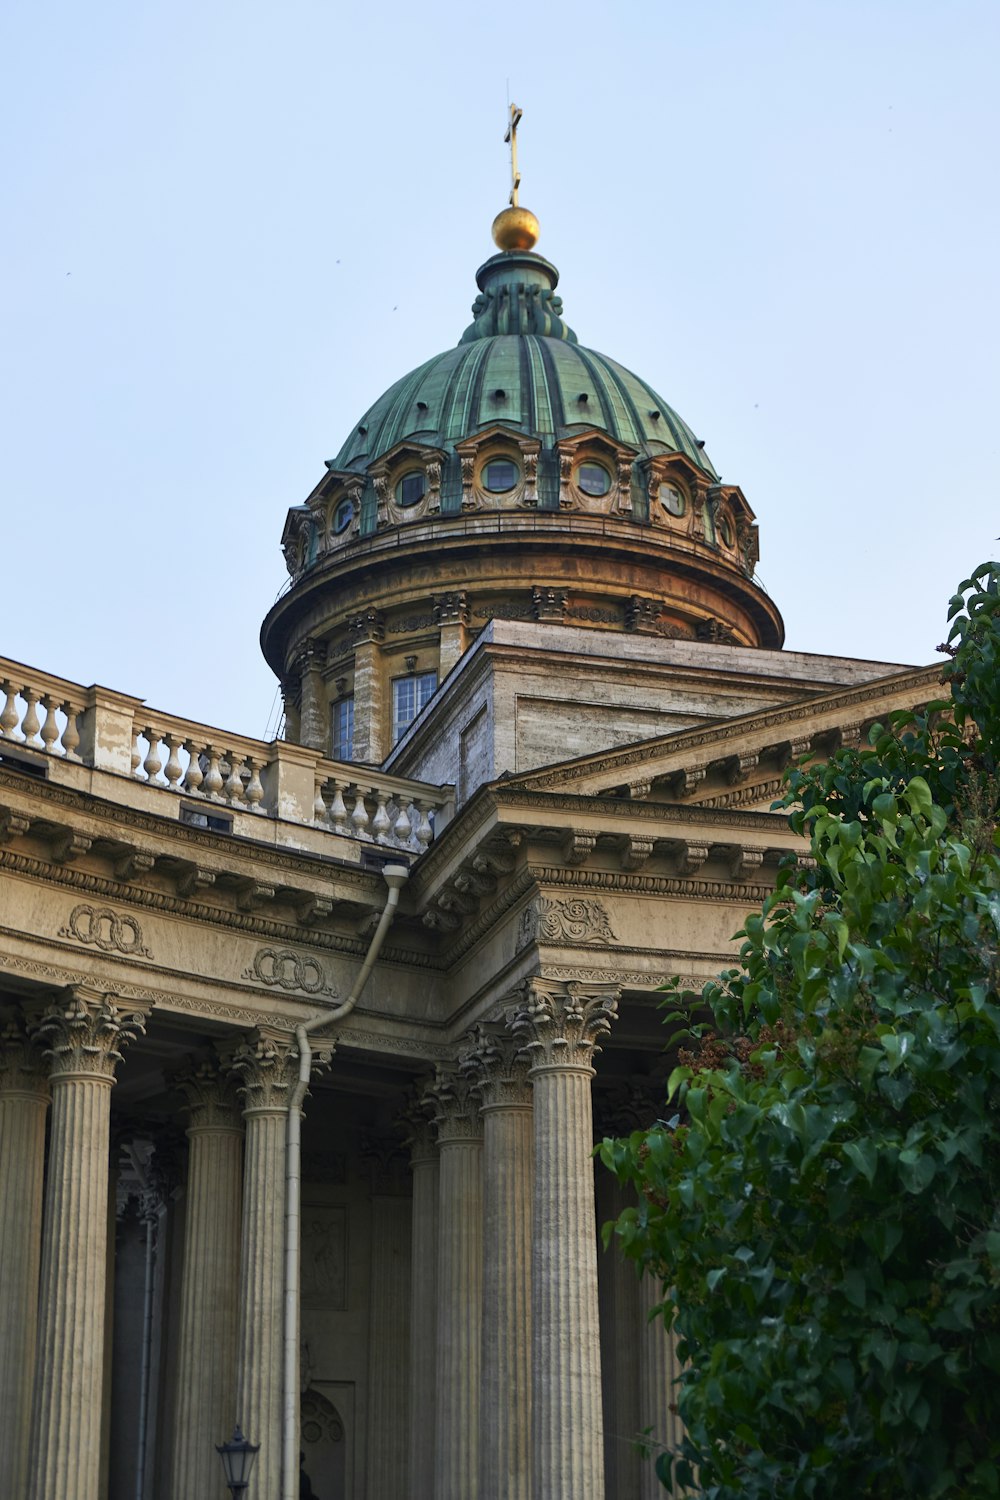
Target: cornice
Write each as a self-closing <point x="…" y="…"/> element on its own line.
<point x="93" y="805"/>
<point x="632" y="883"/>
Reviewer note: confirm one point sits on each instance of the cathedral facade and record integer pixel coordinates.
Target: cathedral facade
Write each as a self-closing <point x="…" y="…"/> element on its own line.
<point x="306" y="1043"/>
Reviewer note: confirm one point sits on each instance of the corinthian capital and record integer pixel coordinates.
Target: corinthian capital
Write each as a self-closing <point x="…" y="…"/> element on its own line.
<point x="268" y="1065"/>
<point x="560" y="1025"/>
<point x="497" y="1066"/>
<point x="456" y="1106"/>
<point x="83" y="1034"/>
<point x="23" y="1068"/>
<point x="210" y="1095"/>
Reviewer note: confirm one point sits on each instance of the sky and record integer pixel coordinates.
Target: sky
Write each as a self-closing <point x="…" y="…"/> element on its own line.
<point x="229" y="227"/>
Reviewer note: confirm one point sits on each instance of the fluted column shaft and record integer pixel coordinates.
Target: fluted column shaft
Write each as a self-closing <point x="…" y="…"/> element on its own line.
<point x="24" y="1100"/>
<point x="423" y="1312"/>
<point x="559" y="1026"/>
<point x="205" y="1406"/>
<point x="267" y="1069"/>
<point x="501" y="1072"/>
<point x="658" y="1372"/>
<point x="460" y="1273"/>
<point x="388" y="1347"/>
<point x="83" y="1036"/>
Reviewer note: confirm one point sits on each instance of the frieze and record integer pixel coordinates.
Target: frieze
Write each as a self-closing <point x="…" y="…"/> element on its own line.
<point x="375" y="1041"/>
<point x="107" y="930"/>
<point x="594" y="615"/>
<point x="629" y="978"/>
<point x="291" y="971"/>
<point x="511" y="893"/>
<point x="504" y="611"/>
<point x="580" y="920"/>
<point x="411" y="623"/>
<point x="219" y="916"/>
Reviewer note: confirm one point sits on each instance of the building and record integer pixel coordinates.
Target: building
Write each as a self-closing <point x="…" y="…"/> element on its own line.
<point x="537" y="709"/>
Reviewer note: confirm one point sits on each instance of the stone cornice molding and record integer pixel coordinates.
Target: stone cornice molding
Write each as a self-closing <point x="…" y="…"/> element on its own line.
<point x="560" y="1025"/>
<point x="456" y="1107"/>
<point x="23" y="1068"/>
<point x="210" y="1096"/>
<point x="626" y="882"/>
<point x="497" y="1066"/>
<point x="83" y="1035"/>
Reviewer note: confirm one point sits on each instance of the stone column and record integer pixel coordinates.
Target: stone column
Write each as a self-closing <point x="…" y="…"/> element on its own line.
<point x="460" y="1288"/>
<point x="658" y="1372"/>
<point x="620" y="1335"/>
<point x="423" y="1303"/>
<point x="388" y="1324"/>
<point x="267" y="1068"/>
<point x="205" y="1410"/>
<point x="500" y="1070"/>
<point x="83" y="1036"/>
<point x="24" y="1099"/>
<point x="560" y="1025"/>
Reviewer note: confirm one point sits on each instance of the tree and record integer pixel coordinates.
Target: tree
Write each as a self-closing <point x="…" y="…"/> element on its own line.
<point x="822" y="1208"/>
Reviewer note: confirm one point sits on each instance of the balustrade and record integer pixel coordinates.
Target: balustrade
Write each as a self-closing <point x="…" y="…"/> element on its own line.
<point x="112" y="732"/>
<point x="57" y="733"/>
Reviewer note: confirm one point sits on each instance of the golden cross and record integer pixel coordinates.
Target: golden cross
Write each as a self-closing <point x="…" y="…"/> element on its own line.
<point x="511" y="137"/>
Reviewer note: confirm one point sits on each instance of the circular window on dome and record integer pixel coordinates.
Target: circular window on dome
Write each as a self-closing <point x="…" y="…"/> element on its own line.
<point x="725" y="531"/>
<point x="593" y="479"/>
<point x="672" y="499"/>
<point x="499" y="475"/>
<point x="343" y="516"/>
<point x="410" y="489"/>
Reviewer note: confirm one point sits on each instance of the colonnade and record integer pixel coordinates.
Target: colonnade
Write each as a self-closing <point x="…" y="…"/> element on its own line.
<point x="504" y="1335"/>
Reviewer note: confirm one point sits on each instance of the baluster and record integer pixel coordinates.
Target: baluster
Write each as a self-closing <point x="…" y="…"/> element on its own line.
<point x="195" y="775"/>
<point x="213" y="783"/>
<point x="10" y="716"/>
<point x="319" y="805"/>
<point x="254" y="793"/>
<point x="381" y="823"/>
<point x="359" y="815"/>
<point x="71" y="734"/>
<point x="153" y="764"/>
<point x="338" y="808"/>
<point x="174" y="770"/>
<point x="233" y="789"/>
<point x="136" y="752"/>
<point x="30" y="725"/>
<point x="425" y="829"/>
<point x="403" y="828"/>
<point x="50" y="729"/>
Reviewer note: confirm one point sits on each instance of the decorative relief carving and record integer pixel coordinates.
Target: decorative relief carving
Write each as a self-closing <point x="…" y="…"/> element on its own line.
<point x="285" y="969"/>
<point x="102" y="928"/>
<point x="456" y="1106"/>
<point x="210" y="1094"/>
<point x="580" y="920"/>
<point x="324" y="1256"/>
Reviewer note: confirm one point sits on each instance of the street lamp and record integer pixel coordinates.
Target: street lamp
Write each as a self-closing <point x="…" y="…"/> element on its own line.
<point x="237" y="1459"/>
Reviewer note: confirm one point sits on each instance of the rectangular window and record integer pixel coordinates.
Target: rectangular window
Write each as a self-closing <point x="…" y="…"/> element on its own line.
<point x="409" y="694"/>
<point x="343" y="729"/>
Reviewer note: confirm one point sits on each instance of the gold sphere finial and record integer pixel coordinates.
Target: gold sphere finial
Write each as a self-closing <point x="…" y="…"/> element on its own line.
<point x="516" y="229"/>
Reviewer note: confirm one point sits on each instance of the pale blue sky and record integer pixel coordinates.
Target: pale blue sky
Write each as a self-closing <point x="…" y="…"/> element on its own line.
<point x="230" y="227"/>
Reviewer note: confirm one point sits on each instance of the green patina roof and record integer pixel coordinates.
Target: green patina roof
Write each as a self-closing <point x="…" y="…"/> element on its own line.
<point x="520" y="364"/>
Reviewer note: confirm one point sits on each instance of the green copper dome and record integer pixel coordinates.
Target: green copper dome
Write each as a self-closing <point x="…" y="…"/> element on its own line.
<point x="518" y="364"/>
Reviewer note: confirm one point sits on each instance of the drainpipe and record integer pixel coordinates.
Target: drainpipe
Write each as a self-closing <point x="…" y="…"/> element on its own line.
<point x="395" y="877"/>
